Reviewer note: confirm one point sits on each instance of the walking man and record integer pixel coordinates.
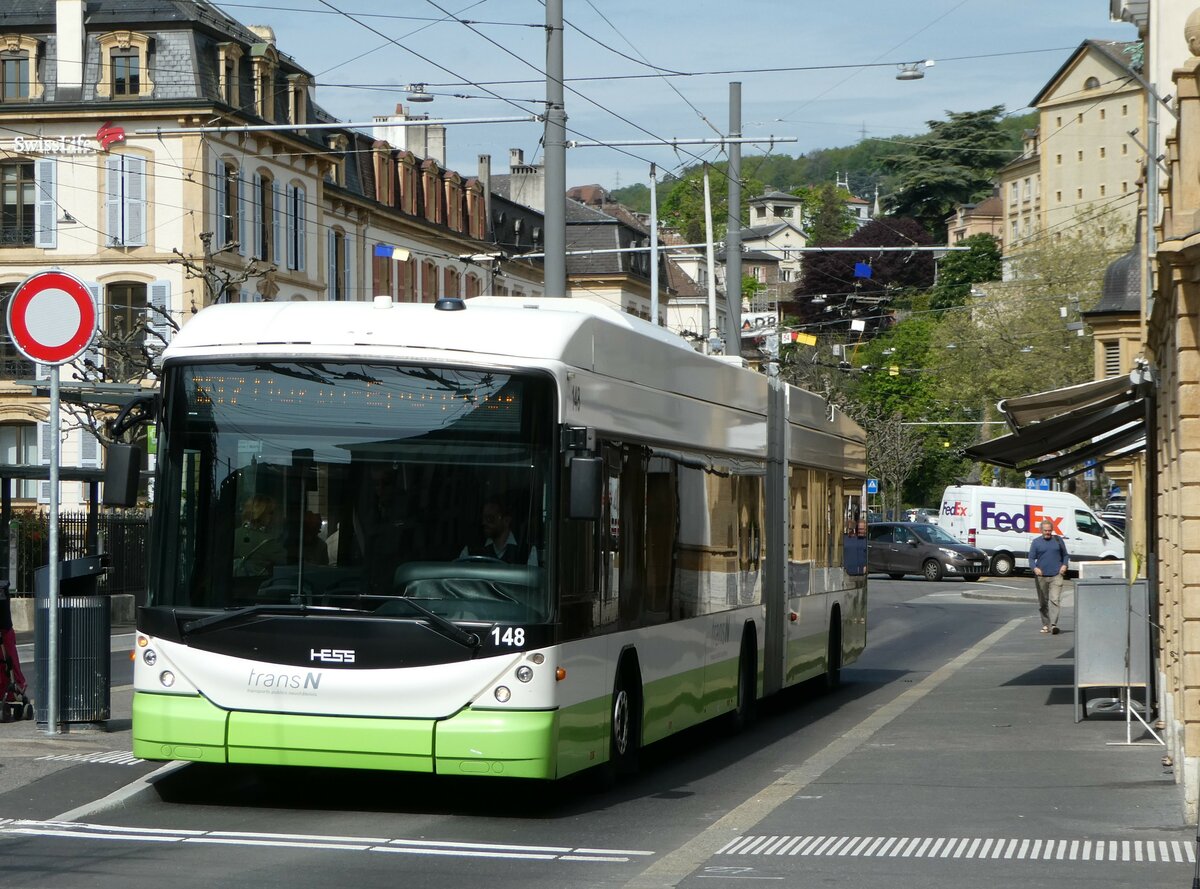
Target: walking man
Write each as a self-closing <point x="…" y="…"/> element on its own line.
<point x="1048" y="558"/>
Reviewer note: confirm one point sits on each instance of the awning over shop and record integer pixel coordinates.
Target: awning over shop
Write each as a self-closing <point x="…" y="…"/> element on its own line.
<point x="1056" y="430"/>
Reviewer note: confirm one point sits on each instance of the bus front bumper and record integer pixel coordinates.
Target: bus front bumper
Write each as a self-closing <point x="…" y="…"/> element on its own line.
<point x="502" y="743"/>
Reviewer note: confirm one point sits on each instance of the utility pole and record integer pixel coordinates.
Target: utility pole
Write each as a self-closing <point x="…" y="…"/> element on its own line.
<point x="733" y="227"/>
<point x="554" y="266"/>
<point x="714" y="332"/>
<point x="653" y="244"/>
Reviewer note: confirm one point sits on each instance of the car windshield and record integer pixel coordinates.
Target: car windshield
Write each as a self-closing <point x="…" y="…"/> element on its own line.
<point x="933" y="534"/>
<point x="348" y="484"/>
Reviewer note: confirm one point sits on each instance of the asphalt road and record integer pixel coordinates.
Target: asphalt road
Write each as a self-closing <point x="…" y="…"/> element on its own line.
<point x="951" y="729"/>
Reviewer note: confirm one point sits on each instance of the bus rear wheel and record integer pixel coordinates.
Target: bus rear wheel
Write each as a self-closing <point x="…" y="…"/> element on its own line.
<point x="833" y="655"/>
<point x="747" y="687"/>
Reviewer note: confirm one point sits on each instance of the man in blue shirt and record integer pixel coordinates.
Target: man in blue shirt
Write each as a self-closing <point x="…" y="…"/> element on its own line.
<point x="1048" y="558"/>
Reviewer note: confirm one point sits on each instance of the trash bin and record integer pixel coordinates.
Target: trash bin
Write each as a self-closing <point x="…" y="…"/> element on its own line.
<point x="84" y="626"/>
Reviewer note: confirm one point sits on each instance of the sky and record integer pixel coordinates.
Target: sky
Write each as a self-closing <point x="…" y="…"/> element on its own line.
<point x="822" y="73"/>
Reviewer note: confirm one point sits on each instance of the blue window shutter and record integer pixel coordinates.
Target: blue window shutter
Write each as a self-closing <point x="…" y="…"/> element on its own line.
<point x="46" y="234"/>
<point x="113" y="218"/>
<point x="348" y="267"/>
<point x="135" y="201"/>
<point x="301" y="229"/>
<point x="256" y="217"/>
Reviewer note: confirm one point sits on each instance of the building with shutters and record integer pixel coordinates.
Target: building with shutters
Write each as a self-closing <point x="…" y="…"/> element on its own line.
<point x="103" y="174"/>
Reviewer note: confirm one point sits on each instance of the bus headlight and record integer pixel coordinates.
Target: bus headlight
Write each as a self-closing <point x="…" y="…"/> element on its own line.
<point x="524" y="674"/>
<point x="167" y="678"/>
<point x="149" y="657"/>
<point x="503" y="694"/>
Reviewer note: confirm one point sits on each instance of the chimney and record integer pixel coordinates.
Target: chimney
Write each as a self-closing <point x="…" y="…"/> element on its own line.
<point x="68" y="23"/>
<point x="485" y="179"/>
<point x="527" y="182"/>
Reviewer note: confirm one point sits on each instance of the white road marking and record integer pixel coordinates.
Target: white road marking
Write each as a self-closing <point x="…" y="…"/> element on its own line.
<point x="112" y="757"/>
<point x="63" y="829"/>
<point x="979" y="848"/>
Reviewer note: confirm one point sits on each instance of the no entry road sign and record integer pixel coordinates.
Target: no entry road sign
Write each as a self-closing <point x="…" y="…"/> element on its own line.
<point x="52" y="317"/>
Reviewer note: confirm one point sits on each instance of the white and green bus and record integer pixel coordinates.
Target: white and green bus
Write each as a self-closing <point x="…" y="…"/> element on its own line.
<point x="683" y="536"/>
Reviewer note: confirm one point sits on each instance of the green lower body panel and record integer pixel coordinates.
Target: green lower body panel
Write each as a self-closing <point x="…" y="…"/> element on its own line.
<point x="520" y="744"/>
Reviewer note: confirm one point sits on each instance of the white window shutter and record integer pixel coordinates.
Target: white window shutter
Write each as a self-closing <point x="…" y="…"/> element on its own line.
<point x="289" y="207"/>
<point x="46" y="234"/>
<point x="301" y="229"/>
<point x="135" y="201"/>
<point x="241" y="212"/>
<point x="256" y="202"/>
<point x="113" y="217"/>
<point x="89" y="449"/>
<point x="218" y="180"/>
<point x="92" y="352"/>
<point x="331" y="266"/>
<point x="159" y="297"/>
<point x="276" y="222"/>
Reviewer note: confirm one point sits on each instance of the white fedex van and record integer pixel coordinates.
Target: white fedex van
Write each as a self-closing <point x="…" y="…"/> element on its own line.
<point x="1003" y="522"/>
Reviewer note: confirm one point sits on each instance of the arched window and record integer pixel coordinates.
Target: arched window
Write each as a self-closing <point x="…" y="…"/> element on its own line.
<point x="1092" y="83"/>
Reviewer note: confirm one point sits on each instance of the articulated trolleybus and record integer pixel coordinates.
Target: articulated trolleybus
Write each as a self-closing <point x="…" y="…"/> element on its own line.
<point x="676" y="539"/>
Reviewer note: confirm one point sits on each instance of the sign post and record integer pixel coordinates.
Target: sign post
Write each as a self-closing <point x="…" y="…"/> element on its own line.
<point x="51" y="320"/>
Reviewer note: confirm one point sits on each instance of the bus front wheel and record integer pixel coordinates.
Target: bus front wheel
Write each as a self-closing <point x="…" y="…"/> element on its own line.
<point x="625" y="733"/>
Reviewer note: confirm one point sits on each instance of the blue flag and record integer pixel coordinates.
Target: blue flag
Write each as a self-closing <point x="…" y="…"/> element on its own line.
<point x="862" y="270"/>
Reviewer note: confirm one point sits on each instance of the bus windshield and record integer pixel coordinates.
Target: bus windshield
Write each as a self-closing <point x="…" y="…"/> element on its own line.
<point x="350" y="484"/>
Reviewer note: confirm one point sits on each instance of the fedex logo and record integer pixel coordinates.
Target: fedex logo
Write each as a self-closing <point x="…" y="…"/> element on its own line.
<point x="1026" y="521"/>
<point x="955" y="508"/>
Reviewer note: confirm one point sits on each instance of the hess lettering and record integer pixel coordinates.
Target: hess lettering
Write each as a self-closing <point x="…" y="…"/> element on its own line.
<point x="332" y="655"/>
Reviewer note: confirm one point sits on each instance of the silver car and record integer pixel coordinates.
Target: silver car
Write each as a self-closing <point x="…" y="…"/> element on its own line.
<point x="900" y="548"/>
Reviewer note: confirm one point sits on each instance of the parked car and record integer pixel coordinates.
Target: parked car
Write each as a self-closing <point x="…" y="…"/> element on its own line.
<point x="1114" y="521"/>
<point x="922" y="514"/>
<point x="900" y="548"/>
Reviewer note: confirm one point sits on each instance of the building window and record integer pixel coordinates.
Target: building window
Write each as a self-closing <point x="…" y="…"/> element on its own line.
<point x="1112" y="359"/>
<point x="13" y="365"/>
<point x="266" y="222"/>
<point x="1058" y="160"/>
<point x="339" y="265"/>
<point x="126" y="80"/>
<point x="1103" y="190"/>
<point x="14" y="77"/>
<point x="1124" y="111"/>
<point x="381" y="272"/>
<point x="231" y="191"/>
<point x="19" y="445"/>
<point x="1103" y="114"/>
<point x="1015" y="230"/>
<point x="1058" y="197"/>
<point x="1124" y="187"/>
<point x="1079" y="193"/>
<point x="229" y="57"/>
<point x="17" y="204"/>
<point x="296" y="211"/>
<point x="1079" y="117"/>
<point x="1028" y="189"/>
<point x="1079" y="155"/>
<point x="1092" y="83"/>
<point x="125" y="200"/>
<point x="1124" y="148"/>
<point x="125" y="310"/>
<point x="125" y="65"/>
<point x="1058" y="122"/>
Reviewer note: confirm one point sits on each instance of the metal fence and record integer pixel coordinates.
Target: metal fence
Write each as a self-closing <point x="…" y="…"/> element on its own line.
<point x="123" y="535"/>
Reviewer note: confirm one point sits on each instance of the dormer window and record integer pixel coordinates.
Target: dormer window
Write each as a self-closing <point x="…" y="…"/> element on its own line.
<point x="298" y="99"/>
<point x="18" y="69"/>
<point x="265" y="61"/>
<point x="125" y="66"/>
<point x="229" y="57"/>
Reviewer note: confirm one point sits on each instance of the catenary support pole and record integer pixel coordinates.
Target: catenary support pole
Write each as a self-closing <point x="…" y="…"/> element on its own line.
<point x="653" y="244"/>
<point x="555" y="264"/>
<point x="714" y="332"/>
<point x="733" y="227"/>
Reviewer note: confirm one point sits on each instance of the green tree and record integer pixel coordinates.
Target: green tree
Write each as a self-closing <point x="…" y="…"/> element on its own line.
<point x="682" y="208"/>
<point x="959" y="270"/>
<point x="953" y="163"/>
<point x="826" y="209"/>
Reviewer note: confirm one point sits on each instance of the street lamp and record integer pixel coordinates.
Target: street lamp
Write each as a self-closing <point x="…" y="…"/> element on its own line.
<point x="418" y="93"/>
<point x="913" y="70"/>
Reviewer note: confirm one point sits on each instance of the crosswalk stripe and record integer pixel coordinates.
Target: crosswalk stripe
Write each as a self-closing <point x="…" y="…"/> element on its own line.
<point x="976" y="848"/>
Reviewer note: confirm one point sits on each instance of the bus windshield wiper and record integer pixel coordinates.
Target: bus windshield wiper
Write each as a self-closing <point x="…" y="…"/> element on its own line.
<point x="446" y="628"/>
<point x="203" y="623"/>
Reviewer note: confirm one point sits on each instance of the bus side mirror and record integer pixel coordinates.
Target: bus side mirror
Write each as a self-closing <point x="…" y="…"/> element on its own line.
<point x="584" y="494"/>
<point x="122" y="472"/>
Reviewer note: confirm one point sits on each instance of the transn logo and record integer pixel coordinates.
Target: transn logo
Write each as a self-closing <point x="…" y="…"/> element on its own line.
<point x="1026" y="521"/>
